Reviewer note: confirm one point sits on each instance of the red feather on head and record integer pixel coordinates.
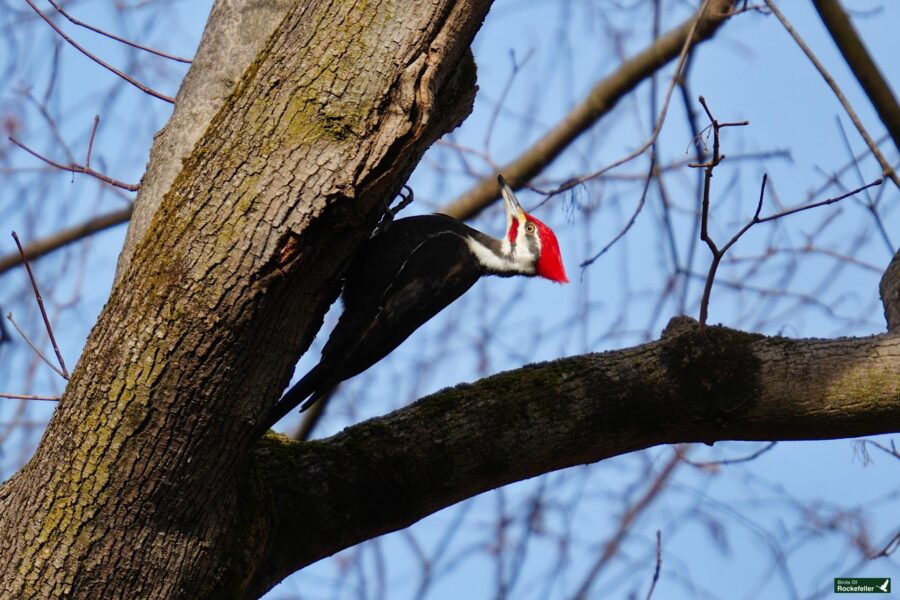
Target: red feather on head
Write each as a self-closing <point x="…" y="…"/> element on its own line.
<point x="549" y="265"/>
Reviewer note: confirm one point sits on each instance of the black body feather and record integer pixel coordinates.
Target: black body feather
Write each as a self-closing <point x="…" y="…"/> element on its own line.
<point x="398" y="280"/>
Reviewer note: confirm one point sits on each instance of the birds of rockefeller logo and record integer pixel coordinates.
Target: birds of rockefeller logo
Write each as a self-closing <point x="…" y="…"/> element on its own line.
<point x="862" y="585"/>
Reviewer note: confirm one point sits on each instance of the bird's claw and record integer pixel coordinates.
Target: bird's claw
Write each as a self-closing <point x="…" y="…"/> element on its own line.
<point x="389" y="213"/>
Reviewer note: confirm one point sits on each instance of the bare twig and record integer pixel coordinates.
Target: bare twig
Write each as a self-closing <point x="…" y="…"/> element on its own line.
<point x="28" y="397"/>
<point x="41" y="107"/>
<point x="709" y="167"/>
<point x="870" y="203"/>
<point x="113" y="36"/>
<point x="633" y="512"/>
<point x="96" y="59"/>
<point x="33" y="346"/>
<point x="797" y="209"/>
<point x="658" y="564"/>
<point x="719" y="253"/>
<point x="87" y="160"/>
<point x="76" y="168"/>
<point x="516" y="67"/>
<point x="889" y="548"/>
<point x="660" y="119"/>
<point x="834" y="177"/>
<point x="65" y="237"/>
<point x="40" y="301"/>
<point x="731" y="461"/>
<point x="861" y="448"/>
<point x="699" y="157"/>
<point x="887" y="170"/>
<point x="588" y="262"/>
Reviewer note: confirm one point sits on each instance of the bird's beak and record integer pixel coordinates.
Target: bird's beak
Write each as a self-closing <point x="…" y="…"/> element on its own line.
<point x="513" y="208"/>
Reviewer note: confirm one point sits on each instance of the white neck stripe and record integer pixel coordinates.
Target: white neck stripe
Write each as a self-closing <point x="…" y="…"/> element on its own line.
<point x="517" y="261"/>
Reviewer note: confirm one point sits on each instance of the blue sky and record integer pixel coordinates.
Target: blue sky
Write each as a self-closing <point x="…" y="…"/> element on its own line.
<point x="751" y="71"/>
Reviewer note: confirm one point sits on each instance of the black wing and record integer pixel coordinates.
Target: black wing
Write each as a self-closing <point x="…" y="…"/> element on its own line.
<point x="437" y="272"/>
<point x="398" y="280"/>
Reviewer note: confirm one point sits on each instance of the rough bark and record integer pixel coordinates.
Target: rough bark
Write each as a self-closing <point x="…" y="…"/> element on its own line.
<point x="234" y="34"/>
<point x="890" y="293"/>
<point x="135" y="487"/>
<point x="315" y="498"/>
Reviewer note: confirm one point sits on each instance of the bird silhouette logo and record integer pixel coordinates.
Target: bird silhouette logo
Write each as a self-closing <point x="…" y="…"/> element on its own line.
<point x="885" y="587"/>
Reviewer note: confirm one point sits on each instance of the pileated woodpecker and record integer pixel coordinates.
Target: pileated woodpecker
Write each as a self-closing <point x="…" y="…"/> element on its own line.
<point x="407" y="273"/>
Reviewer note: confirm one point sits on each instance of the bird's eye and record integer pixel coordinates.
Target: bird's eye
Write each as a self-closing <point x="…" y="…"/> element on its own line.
<point x="529" y="227"/>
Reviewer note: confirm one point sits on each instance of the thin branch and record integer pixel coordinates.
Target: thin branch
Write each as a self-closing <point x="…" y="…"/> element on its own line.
<point x="40" y="301"/>
<point x="732" y="461"/>
<point x="890" y="547"/>
<point x="602" y="98"/>
<point x="699" y="157"/>
<point x="861" y="448"/>
<point x="834" y="177"/>
<point x="870" y="203"/>
<point x="797" y="209"/>
<point x="33" y="346"/>
<point x="41" y="107"/>
<point x="887" y="170"/>
<point x="76" y="168"/>
<point x="627" y="520"/>
<point x="588" y="262"/>
<point x="861" y="64"/>
<point x="719" y="253"/>
<point x="113" y="36"/>
<point x="65" y="237"/>
<point x="516" y="67"/>
<point x="660" y="119"/>
<point x="87" y="161"/>
<point x="658" y="564"/>
<point x="28" y="397"/>
<point x="664" y="199"/>
<point x="709" y="167"/>
<point x="96" y="59"/>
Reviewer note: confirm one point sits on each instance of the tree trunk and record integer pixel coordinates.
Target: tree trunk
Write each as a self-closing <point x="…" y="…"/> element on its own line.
<point x="135" y="489"/>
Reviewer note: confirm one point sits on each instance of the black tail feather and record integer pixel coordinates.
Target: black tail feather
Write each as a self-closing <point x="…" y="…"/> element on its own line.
<point x="316" y="395"/>
<point x="308" y="387"/>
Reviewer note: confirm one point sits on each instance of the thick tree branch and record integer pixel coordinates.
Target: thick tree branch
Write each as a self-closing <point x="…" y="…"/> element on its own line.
<point x="861" y="65"/>
<point x="599" y="101"/>
<point x="887" y="170"/>
<point x="890" y="293"/>
<point x="316" y="498"/>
